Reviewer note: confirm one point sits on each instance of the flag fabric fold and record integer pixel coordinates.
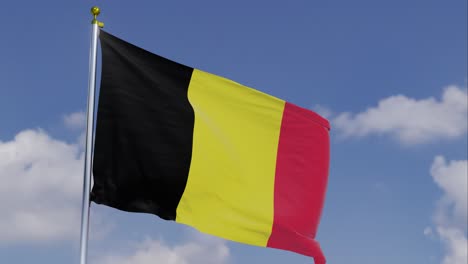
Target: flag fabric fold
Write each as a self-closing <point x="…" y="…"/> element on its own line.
<point x="204" y="151"/>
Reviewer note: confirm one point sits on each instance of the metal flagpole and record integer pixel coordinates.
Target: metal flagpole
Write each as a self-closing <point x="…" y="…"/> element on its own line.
<point x="89" y="136"/>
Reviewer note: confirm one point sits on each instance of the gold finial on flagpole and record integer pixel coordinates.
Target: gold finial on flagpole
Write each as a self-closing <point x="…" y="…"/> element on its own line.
<point x="96" y="11"/>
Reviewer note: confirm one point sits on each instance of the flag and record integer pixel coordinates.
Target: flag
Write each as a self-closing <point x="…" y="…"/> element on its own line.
<point x="205" y="151"/>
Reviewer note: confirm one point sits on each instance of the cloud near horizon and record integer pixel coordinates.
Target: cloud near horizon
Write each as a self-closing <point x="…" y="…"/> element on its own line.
<point x="199" y="250"/>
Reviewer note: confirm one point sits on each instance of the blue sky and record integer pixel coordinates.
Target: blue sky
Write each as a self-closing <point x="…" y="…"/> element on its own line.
<point x="391" y="76"/>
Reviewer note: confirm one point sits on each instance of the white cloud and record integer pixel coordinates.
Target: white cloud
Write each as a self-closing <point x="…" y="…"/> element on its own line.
<point x="452" y="178"/>
<point x="199" y="251"/>
<point x="450" y="216"/>
<point x="41" y="186"/>
<point x="75" y="120"/>
<point x="410" y="120"/>
<point x="456" y="245"/>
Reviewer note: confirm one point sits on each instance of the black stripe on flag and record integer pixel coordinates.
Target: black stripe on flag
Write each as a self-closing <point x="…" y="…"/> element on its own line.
<point x="144" y="130"/>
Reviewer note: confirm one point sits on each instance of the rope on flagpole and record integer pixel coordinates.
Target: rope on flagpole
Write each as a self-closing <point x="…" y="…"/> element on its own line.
<point x="95" y="11"/>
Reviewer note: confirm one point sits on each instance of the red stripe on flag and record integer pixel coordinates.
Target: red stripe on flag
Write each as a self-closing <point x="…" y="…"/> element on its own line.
<point x="300" y="181"/>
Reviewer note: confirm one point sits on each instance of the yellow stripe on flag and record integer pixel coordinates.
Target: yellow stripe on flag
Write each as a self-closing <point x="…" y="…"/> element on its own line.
<point x="230" y="187"/>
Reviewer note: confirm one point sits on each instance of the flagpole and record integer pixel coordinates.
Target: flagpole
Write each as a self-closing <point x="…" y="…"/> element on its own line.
<point x="89" y="136"/>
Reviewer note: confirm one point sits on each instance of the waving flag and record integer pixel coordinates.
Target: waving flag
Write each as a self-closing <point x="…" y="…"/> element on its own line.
<point x="193" y="147"/>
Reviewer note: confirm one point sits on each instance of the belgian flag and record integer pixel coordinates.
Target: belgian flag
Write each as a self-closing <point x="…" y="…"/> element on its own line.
<point x="202" y="150"/>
